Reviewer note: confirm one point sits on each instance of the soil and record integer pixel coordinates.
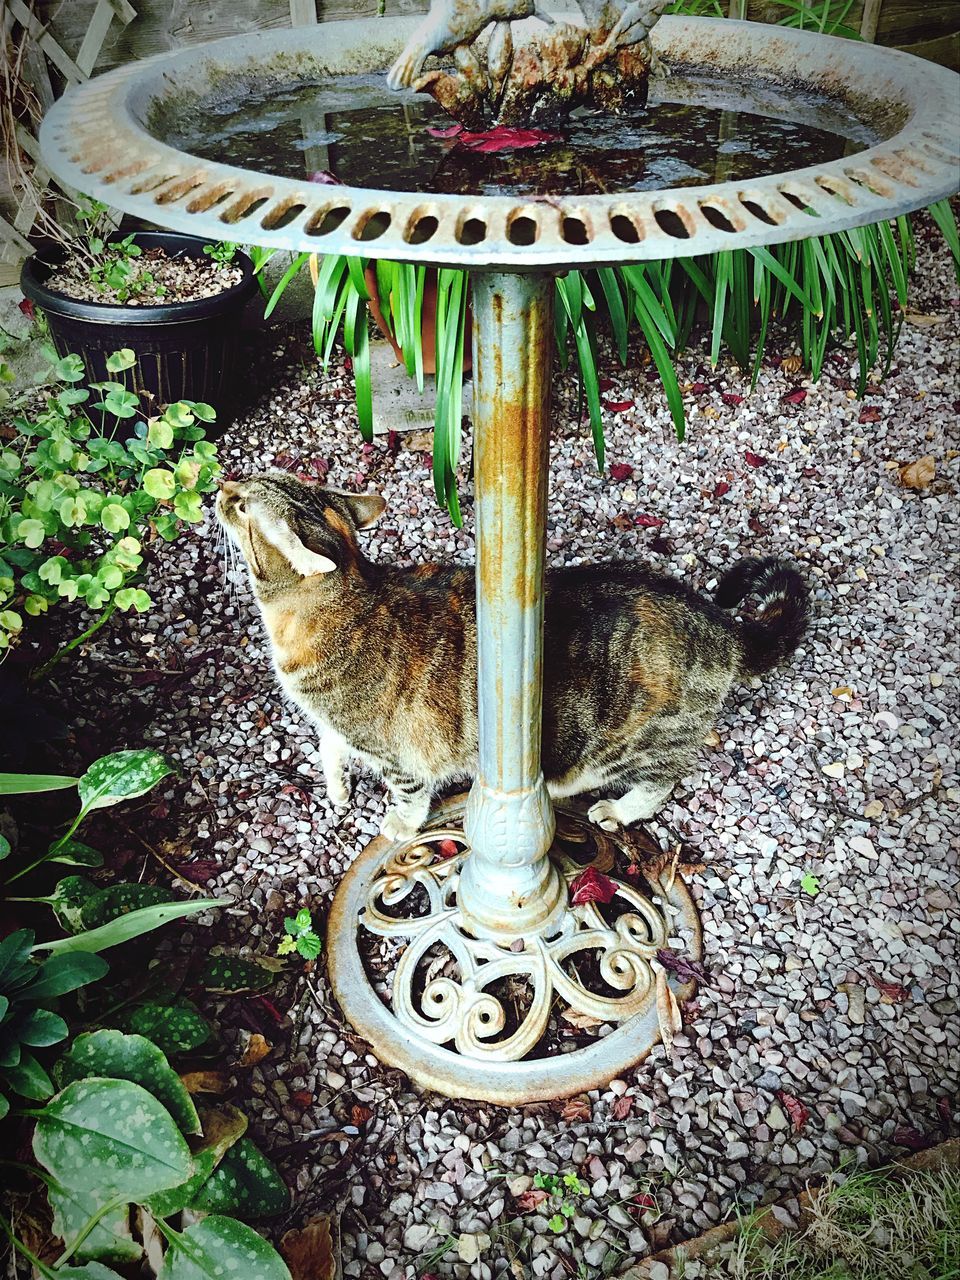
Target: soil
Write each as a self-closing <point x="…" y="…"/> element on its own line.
<point x="182" y="279"/>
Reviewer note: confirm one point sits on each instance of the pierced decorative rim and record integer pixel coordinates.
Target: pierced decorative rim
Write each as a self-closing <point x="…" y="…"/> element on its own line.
<point x="94" y="140"/>
<point x="395" y="1038"/>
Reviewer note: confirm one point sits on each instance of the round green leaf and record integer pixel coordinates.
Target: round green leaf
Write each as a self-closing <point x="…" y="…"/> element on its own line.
<point x="121" y="776"/>
<point x="159" y="483"/>
<point x="219" y="1247"/>
<point x="113" y="517"/>
<point x="129" y="1057"/>
<point x="133" y="598"/>
<point x="69" y="369"/>
<point x="119" y="360"/>
<point x="31" y="533"/>
<point x="188" y="507"/>
<point x="111" y="1136"/>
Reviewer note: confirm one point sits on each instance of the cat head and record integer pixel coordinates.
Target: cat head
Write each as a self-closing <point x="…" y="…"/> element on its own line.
<point x="290" y="529"/>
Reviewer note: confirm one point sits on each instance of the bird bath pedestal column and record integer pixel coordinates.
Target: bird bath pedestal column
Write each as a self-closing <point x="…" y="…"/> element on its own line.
<point x="459" y="954"/>
<point x="487" y="905"/>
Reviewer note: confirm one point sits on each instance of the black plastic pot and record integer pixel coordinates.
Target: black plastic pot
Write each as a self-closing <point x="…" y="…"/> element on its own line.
<point x="184" y="350"/>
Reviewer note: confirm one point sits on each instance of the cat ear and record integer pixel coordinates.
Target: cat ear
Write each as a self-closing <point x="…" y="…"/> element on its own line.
<point x="306" y="562"/>
<point x="366" y="508"/>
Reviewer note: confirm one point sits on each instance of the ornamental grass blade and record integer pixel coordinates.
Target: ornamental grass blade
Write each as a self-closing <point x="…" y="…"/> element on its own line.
<point x="664" y="366"/>
<point x="132" y="925"/>
<point x="610" y="285"/>
<point x="296" y="265"/>
<point x="24" y="784"/>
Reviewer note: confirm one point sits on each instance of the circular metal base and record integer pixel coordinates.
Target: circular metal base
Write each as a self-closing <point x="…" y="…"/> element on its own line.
<point x="468" y="1016"/>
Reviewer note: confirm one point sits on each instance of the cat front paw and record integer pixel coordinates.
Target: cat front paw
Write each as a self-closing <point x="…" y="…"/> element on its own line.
<point x="338" y="793"/>
<point x="397" y="826"/>
<point x="604" y="814"/>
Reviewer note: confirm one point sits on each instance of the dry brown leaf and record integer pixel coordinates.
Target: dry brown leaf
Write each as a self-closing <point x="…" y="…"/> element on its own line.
<point x="310" y="1253"/>
<point x="584" y="1021"/>
<point x="791" y="364"/>
<point x="919" y="474"/>
<point x="417" y="441"/>
<point x="710" y="412"/>
<point x="921" y="319"/>
<point x="713" y="739"/>
<point x="842" y="691"/>
<point x="668" y="1011"/>
<point x="206" y="1081"/>
<point x="255" y="1050"/>
<point x="528" y="1201"/>
<point x="577" y="1109"/>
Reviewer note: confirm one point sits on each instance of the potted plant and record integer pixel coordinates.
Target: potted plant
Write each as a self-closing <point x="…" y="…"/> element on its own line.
<point x="172" y="300"/>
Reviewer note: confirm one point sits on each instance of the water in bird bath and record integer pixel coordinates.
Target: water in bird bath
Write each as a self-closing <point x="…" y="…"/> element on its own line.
<point x="354" y="130"/>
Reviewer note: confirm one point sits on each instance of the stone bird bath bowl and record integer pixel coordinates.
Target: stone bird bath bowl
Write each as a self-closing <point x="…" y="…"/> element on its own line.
<point x="292" y="139"/>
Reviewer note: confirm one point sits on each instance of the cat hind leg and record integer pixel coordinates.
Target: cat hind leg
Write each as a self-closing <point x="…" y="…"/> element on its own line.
<point x="411" y="805"/>
<point x="333" y="762"/>
<point x="637" y="805"/>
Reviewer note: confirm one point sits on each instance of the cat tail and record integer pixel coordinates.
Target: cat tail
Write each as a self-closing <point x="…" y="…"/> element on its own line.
<point x="782" y="609"/>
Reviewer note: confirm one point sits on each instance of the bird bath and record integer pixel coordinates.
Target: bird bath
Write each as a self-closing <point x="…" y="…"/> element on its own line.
<point x="756" y="135"/>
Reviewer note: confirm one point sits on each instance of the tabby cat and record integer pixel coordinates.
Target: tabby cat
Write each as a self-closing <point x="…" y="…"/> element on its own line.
<point x="383" y="660"/>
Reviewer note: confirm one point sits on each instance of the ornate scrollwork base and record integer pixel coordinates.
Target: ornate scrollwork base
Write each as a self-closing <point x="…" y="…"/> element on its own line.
<point x="455" y="997"/>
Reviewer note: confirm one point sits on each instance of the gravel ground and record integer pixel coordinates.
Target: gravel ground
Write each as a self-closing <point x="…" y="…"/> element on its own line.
<point x="840" y="1003"/>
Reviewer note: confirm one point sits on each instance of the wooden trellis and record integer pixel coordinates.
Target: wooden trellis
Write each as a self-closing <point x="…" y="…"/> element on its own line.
<point x="36" y="68"/>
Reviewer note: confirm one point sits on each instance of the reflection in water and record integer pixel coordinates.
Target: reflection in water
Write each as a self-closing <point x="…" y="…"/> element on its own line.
<point x="353" y="130"/>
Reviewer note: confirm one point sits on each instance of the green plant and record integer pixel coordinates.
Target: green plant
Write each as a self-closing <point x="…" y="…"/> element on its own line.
<point x="123" y="1132"/>
<point x="111" y="264"/>
<point x="28" y="987"/>
<point x="810" y="884"/>
<point x="77" y="504"/>
<point x="559" y="1187"/>
<point x="222" y="253"/>
<point x="300" y="936"/>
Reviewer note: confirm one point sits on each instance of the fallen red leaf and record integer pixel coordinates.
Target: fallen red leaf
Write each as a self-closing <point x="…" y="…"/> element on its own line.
<point x="591" y="886"/>
<point x="907" y="1136"/>
<point x="869" y="414"/>
<point x="620" y="471"/>
<point x="721" y="488"/>
<point x="699" y="388"/>
<point x="503" y="138"/>
<point x="448" y="848"/>
<point x="26" y="306"/>
<point x="731" y="397"/>
<point x="528" y="1201"/>
<point x="755" y="459"/>
<point x="199" y="871"/>
<point x="302" y="1097"/>
<point x="687" y="970"/>
<point x="892" y="992"/>
<point x="617" y="406"/>
<point x="648" y="522"/>
<point x="270" y="1007"/>
<point x="798" y="1113"/>
<point x="622" y="1107"/>
<point x="577" y="1109"/>
<point x="754" y="525"/>
<point x="393" y="442"/>
<point x="605" y="384"/>
<point x="360" y="1114"/>
<point x="797" y="396"/>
